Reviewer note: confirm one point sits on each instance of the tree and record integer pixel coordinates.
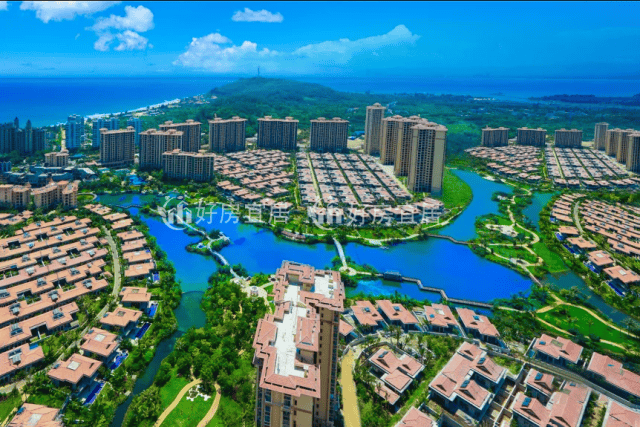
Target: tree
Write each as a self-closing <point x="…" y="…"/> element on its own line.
<point x="147" y="405"/>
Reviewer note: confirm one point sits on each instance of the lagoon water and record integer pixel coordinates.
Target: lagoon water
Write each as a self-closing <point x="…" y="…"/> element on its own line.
<point x="538" y="202"/>
<point x="463" y="228"/>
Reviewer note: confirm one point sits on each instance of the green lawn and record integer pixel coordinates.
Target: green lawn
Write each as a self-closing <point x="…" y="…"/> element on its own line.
<point x="269" y="289"/>
<point x="6" y="406"/>
<point x="188" y="413"/>
<point x="455" y="192"/>
<point x="512" y="365"/>
<point x="227" y="403"/>
<point x="581" y="324"/>
<point x="170" y="390"/>
<point x="552" y="260"/>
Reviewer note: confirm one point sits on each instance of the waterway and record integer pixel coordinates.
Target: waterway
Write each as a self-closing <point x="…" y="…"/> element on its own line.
<point x="463" y="228"/>
<point x="538" y="201"/>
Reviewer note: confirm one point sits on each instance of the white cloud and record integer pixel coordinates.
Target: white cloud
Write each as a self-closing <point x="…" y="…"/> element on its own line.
<point x="344" y="49"/>
<point x="65" y="10"/>
<point x="257" y="16"/>
<point x="125" y="29"/>
<point x="130" y="40"/>
<point x="3" y="5"/>
<point x="138" y="19"/>
<point x="217" y="53"/>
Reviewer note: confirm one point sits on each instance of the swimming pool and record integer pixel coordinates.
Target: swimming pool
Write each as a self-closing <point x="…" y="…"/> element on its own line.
<point x="118" y="361"/>
<point x="152" y="310"/>
<point x="94" y="393"/>
<point x="143" y="330"/>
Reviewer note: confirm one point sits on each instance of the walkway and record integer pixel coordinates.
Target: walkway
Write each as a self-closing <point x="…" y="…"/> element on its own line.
<point x="116" y="262"/>
<point x="350" y="410"/>
<point x="340" y="252"/>
<point x="576" y="218"/>
<point x="212" y="411"/>
<point x="176" y="401"/>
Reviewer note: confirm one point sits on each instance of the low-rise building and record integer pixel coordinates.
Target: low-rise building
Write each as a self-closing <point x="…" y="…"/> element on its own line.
<point x="397" y="373"/>
<point x="539" y="385"/>
<point x="398" y="315"/>
<point x="620" y="416"/>
<point x="478" y="326"/>
<point x="124" y="321"/>
<point x="367" y="316"/>
<point x="615" y="377"/>
<point x="23" y="357"/>
<point x="557" y="351"/>
<point x="440" y="319"/>
<point x="416" y="418"/>
<point x="77" y="372"/>
<point x="100" y="344"/>
<point x="136" y="297"/>
<point x="565" y="408"/>
<point x="36" y="416"/>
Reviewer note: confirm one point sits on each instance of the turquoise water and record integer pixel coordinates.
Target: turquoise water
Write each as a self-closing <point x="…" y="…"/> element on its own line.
<point x="463" y="228"/>
<point x="538" y="202"/>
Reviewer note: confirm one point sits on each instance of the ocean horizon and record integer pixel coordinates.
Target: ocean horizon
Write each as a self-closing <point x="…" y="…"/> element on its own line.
<point x="47" y="101"/>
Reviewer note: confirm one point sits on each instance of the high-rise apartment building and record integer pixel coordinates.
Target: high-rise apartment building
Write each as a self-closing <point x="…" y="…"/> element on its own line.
<point x="329" y="136"/>
<point x="611" y="146"/>
<point x="534" y="137"/>
<point x="74" y="132"/>
<point x="281" y="134"/>
<point x="57" y="159"/>
<point x="568" y="138"/>
<point x="404" y="144"/>
<point x="373" y="129"/>
<point x="495" y="137"/>
<point x="7" y="137"/>
<point x="178" y="164"/>
<point x="429" y="146"/>
<point x="600" y="136"/>
<point x="623" y="145"/>
<point x="16" y="196"/>
<point x="226" y="136"/>
<point x="39" y="140"/>
<point x="191" y="134"/>
<point x="136" y="124"/>
<point x="153" y="143"/>
<point x="296" y="349"/>
<point x="633" y="156"/>
<point x="117" y="147"/>
<point x="112" y="123"/>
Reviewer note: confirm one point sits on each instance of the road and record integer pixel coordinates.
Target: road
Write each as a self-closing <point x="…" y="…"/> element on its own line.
<point x="350" y="409"/>
<point x="214" y="408"/>
<point x="116" y="262"/>
<point x="576" y="218"/>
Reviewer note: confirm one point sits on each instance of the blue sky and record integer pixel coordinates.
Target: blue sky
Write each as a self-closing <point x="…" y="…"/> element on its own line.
<point x="339" y="39"/>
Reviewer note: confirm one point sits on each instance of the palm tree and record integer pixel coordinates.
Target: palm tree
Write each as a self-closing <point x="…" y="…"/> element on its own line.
<point x="590" y="322"/>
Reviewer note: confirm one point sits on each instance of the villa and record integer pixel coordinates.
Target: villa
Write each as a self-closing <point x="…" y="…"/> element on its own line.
<point x="557" y="351"/>
<point x="465" y="382"/>
<point x="622" y="277"/>
<point x="397" y="373"/>
<point x="135" y="297"/>
<point x="367" y="316"/>
<point x="23" y="357"/>
<point x="398" y="315"/>
<point x="122" y="320"/>
<point x="36" y="416"/>
<point x="620" y="416"/>
<point x="539" y="385"/>
<point x="100" y="344"/>
<point x="440" y="319"/>
<point x="77" y="372"/>
<point x="600" y="259"/>
<point x="479" y="326"/>
<point x="416" y="418"/>
<point x="565" y="408"/>
<point x="619" y="380"/>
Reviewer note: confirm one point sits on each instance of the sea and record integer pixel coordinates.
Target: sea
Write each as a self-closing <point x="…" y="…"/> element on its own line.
<point x="47" y="101"/>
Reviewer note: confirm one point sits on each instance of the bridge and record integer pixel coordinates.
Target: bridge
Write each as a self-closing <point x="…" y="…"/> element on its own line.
<point x="396" y="277"/>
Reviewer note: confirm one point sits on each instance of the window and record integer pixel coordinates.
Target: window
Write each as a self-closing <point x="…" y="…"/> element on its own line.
<point x="267" y="396"/>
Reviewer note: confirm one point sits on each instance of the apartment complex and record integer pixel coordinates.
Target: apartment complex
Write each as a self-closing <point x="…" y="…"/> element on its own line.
<point x="568" y="138"/>
<point x="534" y="137"/>
<point x="495" y="137"/>
<point x="373" y="129"/>
<point x="613" y="138"/>
<point x="111" y="124"/>
<point x="117" y="147"/>
<point x="600" y="136"/>
<point x="178" y="164"/>
<point x="396" y="135"/>
<point x="74" y="132"/>
<point x="58" y="159"/>
<point x="428" y="149"/>
<point x="280" y="134"/>
<point x="633" y="155"/>
<point x="56" y="193"/>
<point x="226" y="136"/>
<point x="153" y="143"/>
<point x="136" y="124"/>
<point x="190" y="134"/>
<point x="329" y="135"/>
<point x="16" y="196"/>
<point x="623" y="145"/>
<point x="296" y="349"/>
<point x="25" y="141"/>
